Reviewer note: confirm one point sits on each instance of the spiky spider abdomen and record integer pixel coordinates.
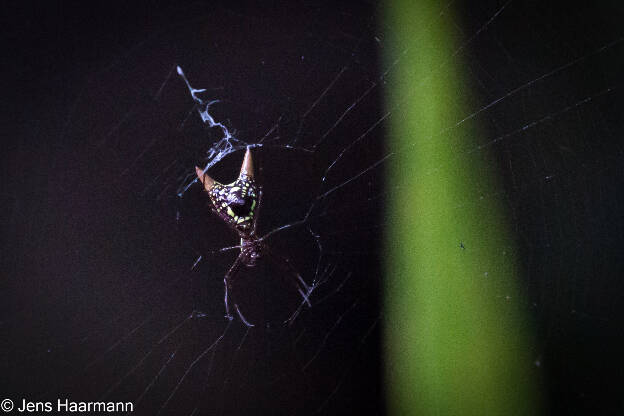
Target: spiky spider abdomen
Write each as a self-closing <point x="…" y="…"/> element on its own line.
<point x="235" y="203"/>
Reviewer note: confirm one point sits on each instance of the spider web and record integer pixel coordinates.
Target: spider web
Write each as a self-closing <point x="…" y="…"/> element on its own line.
<point x="129" y="305"/>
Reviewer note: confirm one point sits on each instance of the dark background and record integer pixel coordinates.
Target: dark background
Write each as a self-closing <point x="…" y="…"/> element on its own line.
<point x="97" y="249"/>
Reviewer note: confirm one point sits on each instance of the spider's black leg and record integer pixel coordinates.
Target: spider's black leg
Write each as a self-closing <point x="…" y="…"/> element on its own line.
<point x="292" y="273"/>
<point x="227" y="282"/>
<point x="257" y="214"/>
<point x="242" y="318"/>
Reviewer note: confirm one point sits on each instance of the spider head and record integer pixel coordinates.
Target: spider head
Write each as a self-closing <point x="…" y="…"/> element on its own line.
<point x="237" y="202"/>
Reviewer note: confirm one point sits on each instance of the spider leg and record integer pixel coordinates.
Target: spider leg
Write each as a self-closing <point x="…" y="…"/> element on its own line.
<point x="292" y="273"/>
<point x="227" y="282"/>
<point x="242" y="318"/>
<point x="257" y="214"/>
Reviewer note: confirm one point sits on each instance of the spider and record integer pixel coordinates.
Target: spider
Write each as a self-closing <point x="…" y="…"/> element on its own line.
<point x="238" y="205"/>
